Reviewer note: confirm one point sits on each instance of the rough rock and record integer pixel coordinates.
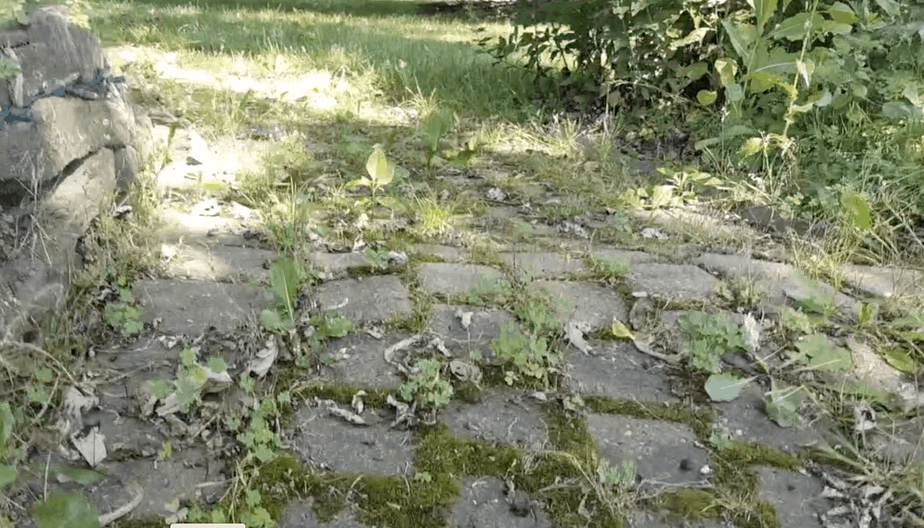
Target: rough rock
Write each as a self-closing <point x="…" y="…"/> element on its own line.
<point x="69" y="138"/>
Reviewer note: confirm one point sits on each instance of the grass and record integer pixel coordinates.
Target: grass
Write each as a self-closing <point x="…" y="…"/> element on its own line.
<point x="432" y="56"/>
<point x="339" y="77"/>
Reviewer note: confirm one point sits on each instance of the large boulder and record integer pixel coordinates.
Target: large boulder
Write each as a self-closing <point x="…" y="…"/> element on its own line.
<point x="70" y="139"/>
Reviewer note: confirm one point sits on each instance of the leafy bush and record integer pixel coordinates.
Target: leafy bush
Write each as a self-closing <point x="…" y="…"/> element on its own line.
<point x="815" y="99"/>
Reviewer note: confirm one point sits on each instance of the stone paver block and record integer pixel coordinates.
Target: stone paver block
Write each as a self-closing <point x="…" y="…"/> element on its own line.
<point x="651" y="520"/>
<point x="330" y="443"/>
<point x="678" y="281"/>
<point x="300" y="514"/>
<point x="336" y="265"/>
<point x="219" y="263"/>
<point x="777" y="280"/>
<point x="455" y="279"/>
<point x="794" y="495"/>
<point x="884" y="281"/>
<point x="503" y="418"/>
<point x="589" y="303"/>
<point x="175" y="478"/>
<point x="190" y="307"/>
<point x="210" y="230"/>
<point x="898" y="442"/>
<point x="664" y="452"/>
<point x="632" y="257"/>
<point x="485" y="326"/>
<point x="484" y="504"/>
<point x="367" y="299"/>
<point x="447" y="253"/>
<point x="543" y="265"/>
<point x="359" y="361"/>
<point x="617" y="370"/>
<point x="745" y="419"/>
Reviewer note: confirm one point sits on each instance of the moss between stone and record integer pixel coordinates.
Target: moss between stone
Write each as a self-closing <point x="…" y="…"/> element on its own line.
<point x="560" y="481"/>
<point x="343" y="394"/>
<point x="733" y="476"/>
<point x="700" y="420"/>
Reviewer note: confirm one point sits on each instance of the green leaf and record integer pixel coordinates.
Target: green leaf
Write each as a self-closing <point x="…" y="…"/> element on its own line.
<point x="7" y="421"/>
<point x="161" y="388"/>
<point x="858" y="209"/>
<point x="380" y="170"/>
<point x="724" y="387"/>
<point x="796" y="27"/>
<point x="217" y="364"/>
<point x="187" y="356"/>
<point x="80" y="475"/>
<point x="751" y="147"/>
<point x="891" y="7"/>
<point x="697" y="70"/>
<point x="859" y="90"/>
<point x="273" y="321"/>
<point x="900" y="110"/>
<point x="742" y="36"/>
<point x="71" y="510"/>
<point x="620" y="331"/>
<point x="842" y="13"/>
<point x="662" y="196"/>
<point x="868" y="312"/>
<point x="763" y="10"/>
<point x="706" y="97"/>
<point x="818" y="352"/>
<point x="836" y="28"/>
<point x="8" y="475"/>
<point x="783" y="406"/>
<point x="694" y="37"/>
<point x="338" y="326"/>
<point x="284" y="279"/>
<point x="727" y="70"/>
<point x="735" y="93"/>
<point x="900" y="361"/>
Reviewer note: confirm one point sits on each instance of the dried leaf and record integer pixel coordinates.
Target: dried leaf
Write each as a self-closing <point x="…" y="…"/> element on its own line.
<point x="92" y="446"/>
<point x="465" y="371"/>
<point x="265" y="358"/>
<point x="751" y="333"/>
<point x="574" y="334"/>
<point x="357" y="402"/>
<point x="620" y="330"/>
<point x="348" y="416"/>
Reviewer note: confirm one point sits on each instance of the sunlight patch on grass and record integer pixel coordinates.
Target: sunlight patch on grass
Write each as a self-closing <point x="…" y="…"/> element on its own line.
<point x="401" y="56"/>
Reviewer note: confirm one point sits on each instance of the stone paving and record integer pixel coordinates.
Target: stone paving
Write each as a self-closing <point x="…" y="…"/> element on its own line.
<point x="197" y="296"/>
<point x="632" y="406"/>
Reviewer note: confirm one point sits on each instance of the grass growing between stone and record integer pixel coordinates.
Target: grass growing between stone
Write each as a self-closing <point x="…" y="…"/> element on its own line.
<point x="342" y="78"/>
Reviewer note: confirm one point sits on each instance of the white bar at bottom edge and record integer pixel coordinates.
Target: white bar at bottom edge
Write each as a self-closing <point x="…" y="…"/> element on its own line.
<point x="207" y="525"/>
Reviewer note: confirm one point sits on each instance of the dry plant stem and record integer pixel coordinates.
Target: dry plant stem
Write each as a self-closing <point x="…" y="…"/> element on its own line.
<point x="125" y="509"/>
<point x="38" y="350"/>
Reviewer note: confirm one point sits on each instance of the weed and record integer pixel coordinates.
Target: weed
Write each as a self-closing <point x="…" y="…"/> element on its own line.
<point x="741" y="293"/>
<point x="489" y="291"/>
<point x="121" y="315"/>
<point x="711" y="337"/>
<point x="622" y="476"/>
<point x="381" y="172"/>
<point x="285" y="276"/>
<point x="527" y="355"/>
<point x="610" y="268"/>
<point x="794" y="322"/>
<point x="426" y="385"/>
<point x="191" y="378"/>
<point x="683" y="188"/>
